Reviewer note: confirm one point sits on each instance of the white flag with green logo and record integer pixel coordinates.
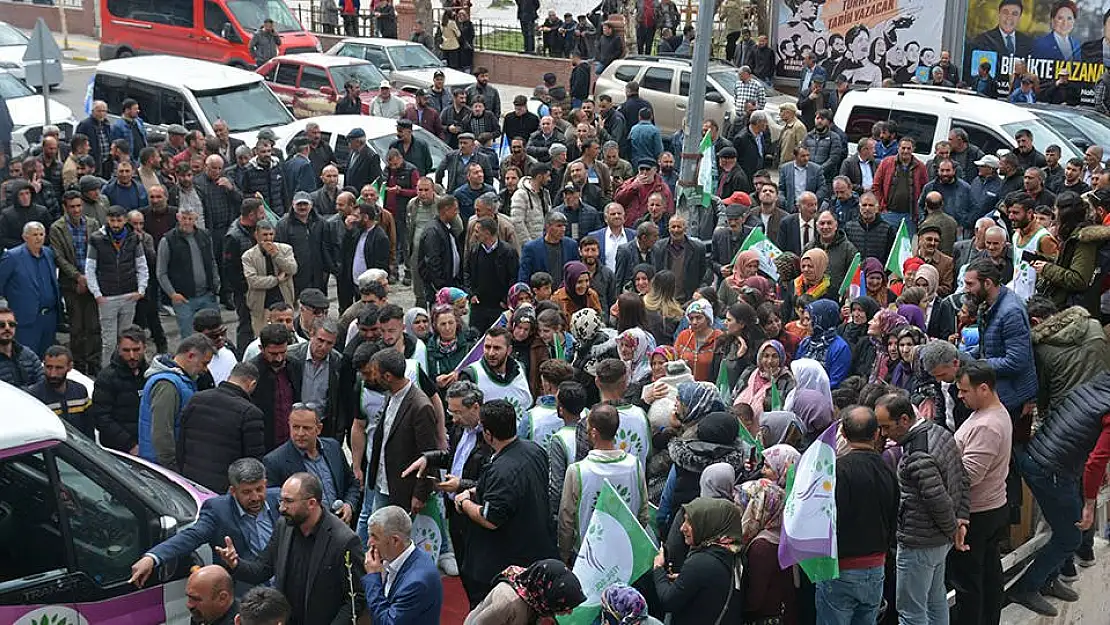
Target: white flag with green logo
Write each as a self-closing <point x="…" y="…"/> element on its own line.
<point x="616" y="549"/>
<point x="767" y="251"/>
<point x="900" y="251"/>
<point x="705" y="169"/>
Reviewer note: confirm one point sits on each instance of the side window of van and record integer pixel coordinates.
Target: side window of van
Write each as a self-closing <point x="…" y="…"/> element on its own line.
<point x="921" y="126"/>
<point x="149" y="99"/>
<point x="860" y="121"/>
<point x="626" y="73"/>
<point x="111" y="89"/>
<point x="657" y="79"/>
<point x="287" y="74"/>
<point x="30" y="542"/>
<point x="313" y="78"/>
<point x="169" y="12"/>
<point x="986" y="140"/>
<point x="214" y="18"/>
<point x="175" y="110"/>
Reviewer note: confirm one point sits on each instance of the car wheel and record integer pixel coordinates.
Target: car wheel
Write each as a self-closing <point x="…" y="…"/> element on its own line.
<point x="124" y="53"/>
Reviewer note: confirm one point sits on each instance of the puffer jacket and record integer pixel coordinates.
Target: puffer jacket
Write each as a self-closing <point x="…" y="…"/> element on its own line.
<point x="1004" y="342"/>
<point x="115" y="404"/>
<point x="1072" y="427"/>
<point x="23" y="369"/>
<point x="268" y="181"/>
<point x="219" y="426"/>
<point x="1069" y="349"/>
<point x="528" y="210"/>
<point x="935" y="490"/>
<point x="826" y="150"/>
<point x="1066" y="280"/>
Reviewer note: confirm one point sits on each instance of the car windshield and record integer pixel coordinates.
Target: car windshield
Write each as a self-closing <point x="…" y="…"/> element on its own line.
<point x="244" y="108"/>
<point x="11" y="37"/>
<point x="368" y="76"/>
<point x="412" y="57"/>
<point x="1094" y="126"/>
<point x="1043" y="135"/>
<point x="251" y="14"/>
<point x="12" y="87"/>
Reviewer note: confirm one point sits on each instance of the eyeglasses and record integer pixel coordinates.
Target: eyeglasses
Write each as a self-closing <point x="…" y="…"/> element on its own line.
<point x="313" y="406"/>
<point x="10" y="324"/>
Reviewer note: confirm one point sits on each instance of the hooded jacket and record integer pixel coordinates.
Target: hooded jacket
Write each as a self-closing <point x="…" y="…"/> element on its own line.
<point x="1066" y="280"/>
<point x="269" y="181"/>
<point x="115" y="404"/>
<point x="1069" y="348"/>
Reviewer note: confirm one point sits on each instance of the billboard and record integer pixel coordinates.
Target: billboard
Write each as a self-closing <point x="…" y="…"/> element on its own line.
<point x="868" y="41"/>
<point x="1047" y="36"/>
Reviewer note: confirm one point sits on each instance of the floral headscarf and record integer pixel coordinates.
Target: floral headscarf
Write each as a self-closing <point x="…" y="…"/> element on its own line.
<point x="622" y="604"/>
<point x="547" y="586"/>
<point x="824" y="315"/>
<point x="515" y="290"/>
<point x="700" y="307"/>
<point x="808" y="374"/>
<point x="888" y="322"/>
<point x="780" y="458"/>
<point x="698" y="399"/>
<point x="410" y="318"/>
<point x="820" y="262"/>
<point x="666" y="351"/>
<point x="759" y="384"/>
<point x="763" y="502"/>
<point x="642" y="344"/>
<point x="715" y="523"/>
<point x="449" y="295"/>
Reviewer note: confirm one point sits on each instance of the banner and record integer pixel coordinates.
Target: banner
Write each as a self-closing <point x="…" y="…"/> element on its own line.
<point x="767" y="251"/>
<point x="868" y="41"/>
<point x="1048" y="37"/>
<point x="809" y="519"/>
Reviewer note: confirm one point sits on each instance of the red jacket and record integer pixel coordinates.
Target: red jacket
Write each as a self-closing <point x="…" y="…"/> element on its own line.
<point x="633" y="197"/>
<point x="884" y="178"/>
<point x="1095" y="470"/>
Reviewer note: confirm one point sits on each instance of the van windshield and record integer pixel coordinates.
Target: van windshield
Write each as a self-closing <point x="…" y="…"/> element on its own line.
<point x="244" y="107"/>
<point x="1043" y="135"/>
<point x="251" y="13"/>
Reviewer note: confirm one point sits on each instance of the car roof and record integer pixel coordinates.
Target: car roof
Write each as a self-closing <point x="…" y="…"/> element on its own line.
<point x="674" y="60"/>
<point x="342" y="124"/>
<point x="925" y="99"/>
<point x="25" y="421"/>
<point x="193" y="74"/>
<point x="378" y="41"/>
<point x="321" y="59"/>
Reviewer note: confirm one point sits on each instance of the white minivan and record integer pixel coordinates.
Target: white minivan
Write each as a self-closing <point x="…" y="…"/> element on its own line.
<point x="193" y="93"/>
<point x="74" y="517"/>
<point x="928" y="114"/>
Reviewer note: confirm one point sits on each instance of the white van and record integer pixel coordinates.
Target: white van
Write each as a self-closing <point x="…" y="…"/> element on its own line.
<point x="74" y="517"/>
<point x="927" y="114"/>
<point x="175" y="90"/>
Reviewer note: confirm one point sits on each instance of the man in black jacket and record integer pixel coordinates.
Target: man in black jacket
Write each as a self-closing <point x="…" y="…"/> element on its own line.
<point x="872" y="236"/>
<point x="219" y="426"/>
<point x="635" y="252"/>
<point x="98" y="129"/>
<point x="264" y="177"/>
<point x="351" y="102"/>
<point x="303" y="229"/>
<point x="491" y="268"/>
<point x="115" y="397"/>
<point x="239" y="239"/>
<point x="365" y="166"/>
<point x="279" y="383"/>
<point x="753" y="144"/>
<point x="579" y="79"/>
<point x="187" y="270"/>
<point x="365" y="244"/>
<point x="320" y="384"/>
<point x="440" y="263"/>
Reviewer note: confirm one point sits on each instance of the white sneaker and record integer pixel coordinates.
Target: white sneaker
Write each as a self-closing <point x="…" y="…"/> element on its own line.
<point x="448" y="565"/>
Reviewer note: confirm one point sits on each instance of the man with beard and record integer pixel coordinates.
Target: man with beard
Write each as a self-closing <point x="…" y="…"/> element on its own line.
<point x="928" y="249"/>
<point x="324" y="198"/>
<point x="1026" y="153"/>
<point x="268" y="269"/>
<point x="247" y="513"/>
<point x="667" y="171"/>
<point x="767" y="215"/>
<point x="1030" y="237"/>
<point x="484" y="90"/>
<point x="657" y="212"/>
<point x="824" y="145"/>
<point x="963" y="153"/>
<point x="955" y="193"/>
<point x="491" y="268"/>
<point x="279" y="383"/>
<point x="411" y="148"/>
<point x="97" y="128"/>
<point x="187" y="269"/>
<point x="68" y="400"/>
<point x="541" y="140"/>
<point x="69" y="238"/>
<point x="123" y="190"/>
<point x="998" y="250"/>
<point x="22" y="210"/>
<point x="310" y="540"/>
<point x="590" y="192"/>
<point x="457" y="162"/>
<point x="1034" y="184"/>
<point x="836" y="245"/>
<point x="728" y="239"/>
<point x="263" y="178"/>
<point x="239" y="239"/>
<point x="221" y="201"/>
<point x="1073" y="178"/>
<point x="968" y="250"/>
<point x="682" y="255"/>
<point x="303" y="230"/>
<point x="936" y="214"/>
<point x="117" y="274"/>
<point x="635" y="252"/>
<point x="320" y="153"/>
<point x="602" y="278"/>
<point x="116" y="392"/>
<point x="170" y="384"/>
<point x="1010" y="170"/>
<point x="487" y="205"/>
<point x="210" y="596"/>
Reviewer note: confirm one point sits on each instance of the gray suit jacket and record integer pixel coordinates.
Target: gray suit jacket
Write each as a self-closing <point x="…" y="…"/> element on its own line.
<point x="815" y="183"/>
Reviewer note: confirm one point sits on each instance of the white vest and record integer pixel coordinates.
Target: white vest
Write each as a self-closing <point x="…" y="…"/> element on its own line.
<point x="623" y="473"/>
<point x="545" y="422"/>
<point x="567" y="436"/>
<point x="1024" y="283"/>
<point x="516" y="392"/>
<point x="634" y="433"/>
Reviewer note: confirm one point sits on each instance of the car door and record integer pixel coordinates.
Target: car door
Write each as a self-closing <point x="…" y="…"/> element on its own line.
<point x="658" y="86"/>
<point x="213" y="46"/>
<point x="284" y="83"/>
<point x="154" y="26"/>
<point x="712" y="110"/>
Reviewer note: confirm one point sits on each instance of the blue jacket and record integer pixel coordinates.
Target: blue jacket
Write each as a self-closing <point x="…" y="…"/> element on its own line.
<point x="533" y="258"/>
<point x="957" y="200"/>
<point x="286" y="460"/>
<point x="1006" y="343"/>
<point x="27" y="296"/>
<point x="838" y="360"/>
<point x="299" y="176"/>
<point x="600" y="236"/>
<point x="984" y="198"/>
<point x="162" y="368"/>
<point x="415" y="597"/>
<point x="120" y="130"/>
<point x="132" y="198"/>
<point x="645" y="141"/>
<point x="1017" y="97"/>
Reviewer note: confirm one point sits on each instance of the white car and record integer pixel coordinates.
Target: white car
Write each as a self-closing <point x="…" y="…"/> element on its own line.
<point x="409" y="66"/>
<point x="13" y="45"/>
<point x="28" y="113"/>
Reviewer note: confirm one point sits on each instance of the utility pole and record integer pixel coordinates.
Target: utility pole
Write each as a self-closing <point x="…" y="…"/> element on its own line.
<point x="695" y="107"/>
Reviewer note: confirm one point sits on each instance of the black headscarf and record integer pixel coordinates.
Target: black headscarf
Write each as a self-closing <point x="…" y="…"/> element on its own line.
<point x="547" y="586"/>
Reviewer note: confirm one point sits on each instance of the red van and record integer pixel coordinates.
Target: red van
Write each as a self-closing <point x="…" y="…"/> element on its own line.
<point x="212" y="30"/>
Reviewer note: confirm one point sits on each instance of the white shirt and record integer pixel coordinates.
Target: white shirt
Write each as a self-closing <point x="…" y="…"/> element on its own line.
<point x="391" y="409"/>
<point x="393" y="568"/>
<point x="611" y="244"/>
<point x="866" y="174"/>
<point x="222" y="362"/>
<point x="802" y="231"/>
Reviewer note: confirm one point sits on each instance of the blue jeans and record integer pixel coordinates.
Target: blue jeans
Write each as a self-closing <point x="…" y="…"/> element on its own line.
<point x="921" y="597"/>
<point x="853" y="599"/>
<point x="1061" y="504"/>
<point x="894" y="219"/>
<point x="185" y="312"/>
<point x="372" y="500"/>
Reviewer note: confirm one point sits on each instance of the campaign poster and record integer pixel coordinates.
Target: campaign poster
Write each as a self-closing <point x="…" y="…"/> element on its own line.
<point x="1047" y="36"/>
<point x="868" y="41"/>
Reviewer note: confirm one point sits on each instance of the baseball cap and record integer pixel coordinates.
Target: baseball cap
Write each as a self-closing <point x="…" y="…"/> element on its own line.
<point x="988" y="160"/>
<point x="302" y="196"/>
<point x="738" y="198"/>
<point x="438" y="74"/>
<point x="383" y="84"/>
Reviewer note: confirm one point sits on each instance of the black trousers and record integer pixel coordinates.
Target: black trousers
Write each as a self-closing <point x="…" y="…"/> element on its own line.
<point x="730" y="45"/>
<point x="345" y="292"/>
<point x="976" y="574"/>
<point x="244" y="333"/>
<point x="350" y="25"/>
<point x="645" y="35"/>
<point x="84" y="331"/>
<point x="146" y="316"/>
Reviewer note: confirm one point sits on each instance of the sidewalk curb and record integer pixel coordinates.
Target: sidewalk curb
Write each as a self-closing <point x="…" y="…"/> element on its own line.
<point x="84" y="59"/>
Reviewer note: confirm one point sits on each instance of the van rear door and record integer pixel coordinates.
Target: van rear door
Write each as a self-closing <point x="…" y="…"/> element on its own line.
<point x="156" y="26"/>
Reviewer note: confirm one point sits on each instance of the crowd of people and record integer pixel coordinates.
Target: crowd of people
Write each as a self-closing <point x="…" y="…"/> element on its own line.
<point x="574" y="325"/>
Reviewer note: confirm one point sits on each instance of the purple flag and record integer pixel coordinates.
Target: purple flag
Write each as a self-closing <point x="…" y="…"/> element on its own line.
<point x="476" y="352"/>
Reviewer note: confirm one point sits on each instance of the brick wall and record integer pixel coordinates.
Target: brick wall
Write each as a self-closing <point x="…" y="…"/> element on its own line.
<point x="79" y="20"/>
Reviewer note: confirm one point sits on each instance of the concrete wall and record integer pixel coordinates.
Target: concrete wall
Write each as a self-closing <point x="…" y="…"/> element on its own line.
<point x="80" y="16"/>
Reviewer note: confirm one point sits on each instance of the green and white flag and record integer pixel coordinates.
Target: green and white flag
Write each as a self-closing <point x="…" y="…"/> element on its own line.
<point x="429" y="529"/>
<point x="900" y="252"/>
<point x="705" y="169"/>
<point x="616" y="549"/>
<point x="767" y="251"/>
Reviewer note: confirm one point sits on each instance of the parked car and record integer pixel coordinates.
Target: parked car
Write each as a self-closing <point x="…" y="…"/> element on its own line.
<point x="173" y="90"/>
<point x="1081" y="126"/>
<point x="28" y="113"/>
<point x="665" y="83"/>
<point x="310" y="84"/>
<point x="380" y="132"/>
<point x="928" y="113"/>
<point x="213" y="30"/>
<point x="13" y="45"/>
<point x="408" y="65"/>
<point x="74" y="517"/>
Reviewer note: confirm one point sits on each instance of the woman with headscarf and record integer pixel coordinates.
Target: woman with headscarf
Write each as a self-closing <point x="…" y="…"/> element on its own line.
<point x="576" y="292"/>
<point x="696" y="343"/>
<point x="629" y="312"/>
<point x="705" y="591"/>
<point x="909" y="270"/>
<point x="815" y="410"/>
<point x="622" y="604"/>
<point x="716" y="482"/>
<point x="525" y="596"/>
<point x="939" y="313"/>
<point x="459" y="302"/>
<point x="446" y="348"/>
<point x="777" y="460"/>
<point x="522" y="331"/>
<point x="875" y="282"/>
<point x="854" y="329"/>
<point x="808" y="374"/>
<point x="768" y="588"/>
<point x="780" y="427"/>
<point x="746" y="266"/>
<point x="814" y="279"/>
<point x="418" y="324"/>
<point x="924" y="389"/>
<point x="735" y="350"/>
<point x="519" y="294"/>
<point x="770" y="320"/>
<point x="634" y="345"/>
<point x="909" y="338"/>
<point x="913" y="314"/>
<point x="873" y="360"/>
<point x="640" y="284"/>
<point x="824" y="345"/>
<point x="593" y="342"/>
<point x="770" y="369"/>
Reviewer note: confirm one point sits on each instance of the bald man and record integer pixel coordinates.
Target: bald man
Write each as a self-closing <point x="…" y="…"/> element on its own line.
<point x="210" y="596"/>
<point x="968" y="250"/>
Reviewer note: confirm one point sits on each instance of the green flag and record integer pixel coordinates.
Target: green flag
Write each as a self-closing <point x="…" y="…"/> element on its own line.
<point x="776" y="397"/>
<point x="901" y="251"/>
<point x="747" y="437"/>
<point x="615" y="549"/>
<point x="853" y="280"/>
<point x="270" y="215"/>
<point x="768" y="252"/>
<point x="723" y="388"/>
<point x="705" y="169"/>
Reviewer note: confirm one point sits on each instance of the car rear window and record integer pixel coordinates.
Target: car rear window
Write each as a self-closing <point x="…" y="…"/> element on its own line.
<point x="626" y="73"/>
<point x="657" y="79"/>
<point x="861" y="119"/>
<point x="921" y="126"/>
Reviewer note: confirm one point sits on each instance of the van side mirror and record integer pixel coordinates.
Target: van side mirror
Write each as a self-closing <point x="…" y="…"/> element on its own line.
<point x="385" y="67"/>
<point x="228" y="33"/>
<point x="328" y="91"/>
<point x="714" y="97"/>
<point x="1082" y="144"/>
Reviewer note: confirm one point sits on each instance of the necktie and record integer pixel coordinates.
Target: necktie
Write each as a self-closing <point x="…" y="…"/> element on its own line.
<point x="805" y="235"/>
<point x="1010" y="48"/>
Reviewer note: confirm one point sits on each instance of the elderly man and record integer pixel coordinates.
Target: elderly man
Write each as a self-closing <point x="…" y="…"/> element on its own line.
<point x="986" y="188"/>
<point x="968" y="250"/>
<point x="488" y="205"/>
<point x="634" y="192"/>
<point x="187" y="270"/>
<point x="844" y="203"/>
<point x="28" y="281"/>
<point x="210" y="596"/>
<point x="832" y="240"/>
<point x="324" y="198"/>
<point x="401" y="583"/>
<point x="682" y="255"/>
<point x="728" y="239"/>
<point x="303" y="230"/>
<point x="540" y="141"/>
<point x="798" y="230"/>
<point x="860" y="169"/>
<point x="385" y="105"/>
<point x="268" y="268"/>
